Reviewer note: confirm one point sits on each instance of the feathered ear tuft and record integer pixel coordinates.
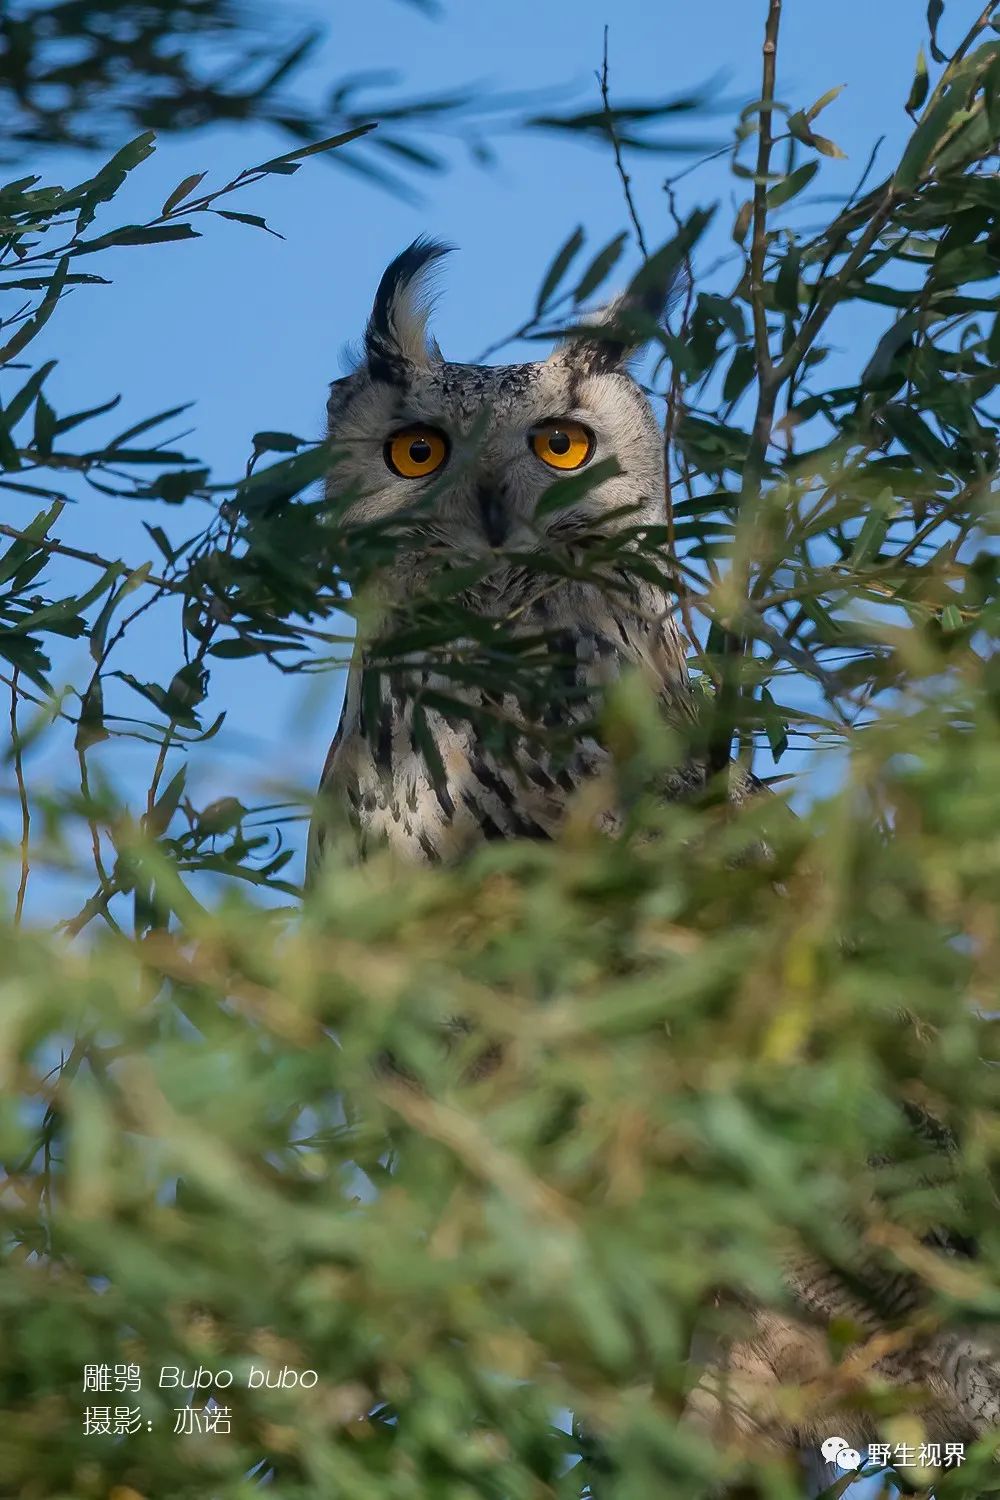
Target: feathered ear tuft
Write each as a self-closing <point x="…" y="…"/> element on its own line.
<point x="622" y="329"/>
<point x="396" y="335"/>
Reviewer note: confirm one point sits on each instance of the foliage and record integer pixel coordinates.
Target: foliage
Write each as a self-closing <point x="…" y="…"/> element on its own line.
<point x="87" y="72"/>
<point x="704" y="1055"/>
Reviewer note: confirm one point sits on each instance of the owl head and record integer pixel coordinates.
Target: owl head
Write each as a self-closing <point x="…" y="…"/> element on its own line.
<point x="470" y="450"/>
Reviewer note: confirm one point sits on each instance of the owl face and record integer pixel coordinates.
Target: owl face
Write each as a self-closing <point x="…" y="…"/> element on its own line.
<point x="471" y="450"/>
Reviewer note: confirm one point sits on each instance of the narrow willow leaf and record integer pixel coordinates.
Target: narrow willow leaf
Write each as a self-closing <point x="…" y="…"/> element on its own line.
<point x="951" y="618"/>
<point x="558" y="268"/>
<point x="993" y="342"/>
<point x="65" y="424"/>
<point x="243" y="218"/>
<point x="32" y="534"/>
<point x="739" y="374"/>
<point x="34" y="325"/>
<point x="137" y="234"/>
<point x="599" y="267"/>
<point x="920" y="84"/>
<point x="873" y="532"/>
<point x="888" y="346"/>
<point x="925" y="140"/>
<point x="330" y="144"/>
<point x="786" y="286"/>
<point x="566" y="492"/>
<point x="157" y="821"/>
<point x="935" y="10"/>
<point x="775" y="726"/>
<point x="823" y="101"/>
<point x="787" y="188"/>
<point x="181" y="191"/>
<point x="21" y="402"/>
<point x="45" y="426"/>
<point x="90" y="728"/>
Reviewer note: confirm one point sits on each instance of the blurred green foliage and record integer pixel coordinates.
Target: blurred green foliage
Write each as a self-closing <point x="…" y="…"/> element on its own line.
<point x="701" y="1057"/>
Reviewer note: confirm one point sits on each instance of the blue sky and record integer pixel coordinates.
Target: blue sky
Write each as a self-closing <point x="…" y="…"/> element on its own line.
<point x="252" y="328"/>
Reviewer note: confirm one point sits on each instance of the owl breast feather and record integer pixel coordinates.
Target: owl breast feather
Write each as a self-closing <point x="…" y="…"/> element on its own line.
<point x="434" y="802"/>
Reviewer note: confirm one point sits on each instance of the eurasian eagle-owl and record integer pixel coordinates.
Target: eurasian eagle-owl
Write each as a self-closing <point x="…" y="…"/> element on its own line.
<point x="487" y="442"/>
<point x="470" y="450"/>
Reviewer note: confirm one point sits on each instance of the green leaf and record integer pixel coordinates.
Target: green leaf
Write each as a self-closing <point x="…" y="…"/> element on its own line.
<point x="951" y="619"/>
<point x="45" y="426"/>
<point x="993" y="342"/>
<point x="826" y="147"/>
<point x="887" y="348"/>
<point x="599" y="267"/>
<point x="568" y="491"/>
<point x="823" y="101"/>
<point x="21" y="403"/>
<point x="558" y="269"/>
<point x="175" y="486"/>
<point x="103" y="187"/>
<point x="160" y="538"/>
<point x="789" y="186"/>
<point x="90" y="728"/>
<point x="243" y="218"/>
<point x="19" y="551"/>
<point x="242" y="646"/>
<point x="137" y="234"/>
<point x="282" y="481"/>
<point x="786" y="285"/>
<point x="330" y="144"/>
<point x="157" y="821"/>
<point x="25" y="653"/>
<point x="32" y="326"/>
<point x="935" y="10"/>
<point x="181" y="191"/>
<point x="925" y="141"/>
<point x="774" y="725"/>
<point x="276" y="442"/>
<point x="920" y="84"/>
<point x="220" y="816"/>
<point x="913" y="432"/>
<point x="65" y="424"/>
<point x="740" y="373"/>
<point x="873" y="533"/>
<point x="146" y="424"/>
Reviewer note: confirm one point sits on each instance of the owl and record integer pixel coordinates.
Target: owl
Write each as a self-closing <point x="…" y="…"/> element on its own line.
<point x="466" y="453"/>
<point x="469" y="451"/>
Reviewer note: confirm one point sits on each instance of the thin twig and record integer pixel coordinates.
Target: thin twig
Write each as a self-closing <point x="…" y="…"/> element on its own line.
<point x="22" y="793"/>
<point x="626" y="181"/>
<point x="768" y="382"/>
<point x="47" y="544"/>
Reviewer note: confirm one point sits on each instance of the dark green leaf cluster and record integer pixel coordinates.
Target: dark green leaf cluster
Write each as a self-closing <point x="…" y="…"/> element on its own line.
<point x="485" y="1145"/>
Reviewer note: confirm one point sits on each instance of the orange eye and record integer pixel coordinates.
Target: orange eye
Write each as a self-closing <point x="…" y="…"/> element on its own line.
<point x="416" y="451"/>
<point x="562" y="445"/>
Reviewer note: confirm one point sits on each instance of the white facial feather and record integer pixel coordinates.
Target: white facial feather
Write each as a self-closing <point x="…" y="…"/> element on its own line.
<point x="487" y="415"/>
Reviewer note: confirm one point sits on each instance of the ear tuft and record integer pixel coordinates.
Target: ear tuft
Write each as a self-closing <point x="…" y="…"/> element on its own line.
<point x="626" y="325"/>
<point x="396" y="335"/>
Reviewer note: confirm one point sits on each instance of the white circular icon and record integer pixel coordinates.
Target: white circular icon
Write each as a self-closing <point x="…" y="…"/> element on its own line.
<point x="831" y="1447"/>
<point x="848" y="1458"/>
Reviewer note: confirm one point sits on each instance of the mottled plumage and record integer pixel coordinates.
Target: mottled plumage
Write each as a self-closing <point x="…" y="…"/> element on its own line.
<point x="482" y="496"/>
<point x="485" y="497"/>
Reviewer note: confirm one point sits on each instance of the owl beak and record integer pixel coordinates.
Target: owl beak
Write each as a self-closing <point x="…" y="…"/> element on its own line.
<point x="496" y="522"/>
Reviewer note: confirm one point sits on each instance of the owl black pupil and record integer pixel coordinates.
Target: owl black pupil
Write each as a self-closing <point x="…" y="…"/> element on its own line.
<point x="420" y="450"/>
<point x="559" y="443"/>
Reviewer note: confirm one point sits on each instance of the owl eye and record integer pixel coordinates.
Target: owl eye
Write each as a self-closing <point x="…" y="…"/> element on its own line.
<point x="415" y="451"/>
<point x="562" y="445"/>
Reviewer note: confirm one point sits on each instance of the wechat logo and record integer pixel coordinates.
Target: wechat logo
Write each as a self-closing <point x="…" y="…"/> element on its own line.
<point x="837" y="1450"/>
